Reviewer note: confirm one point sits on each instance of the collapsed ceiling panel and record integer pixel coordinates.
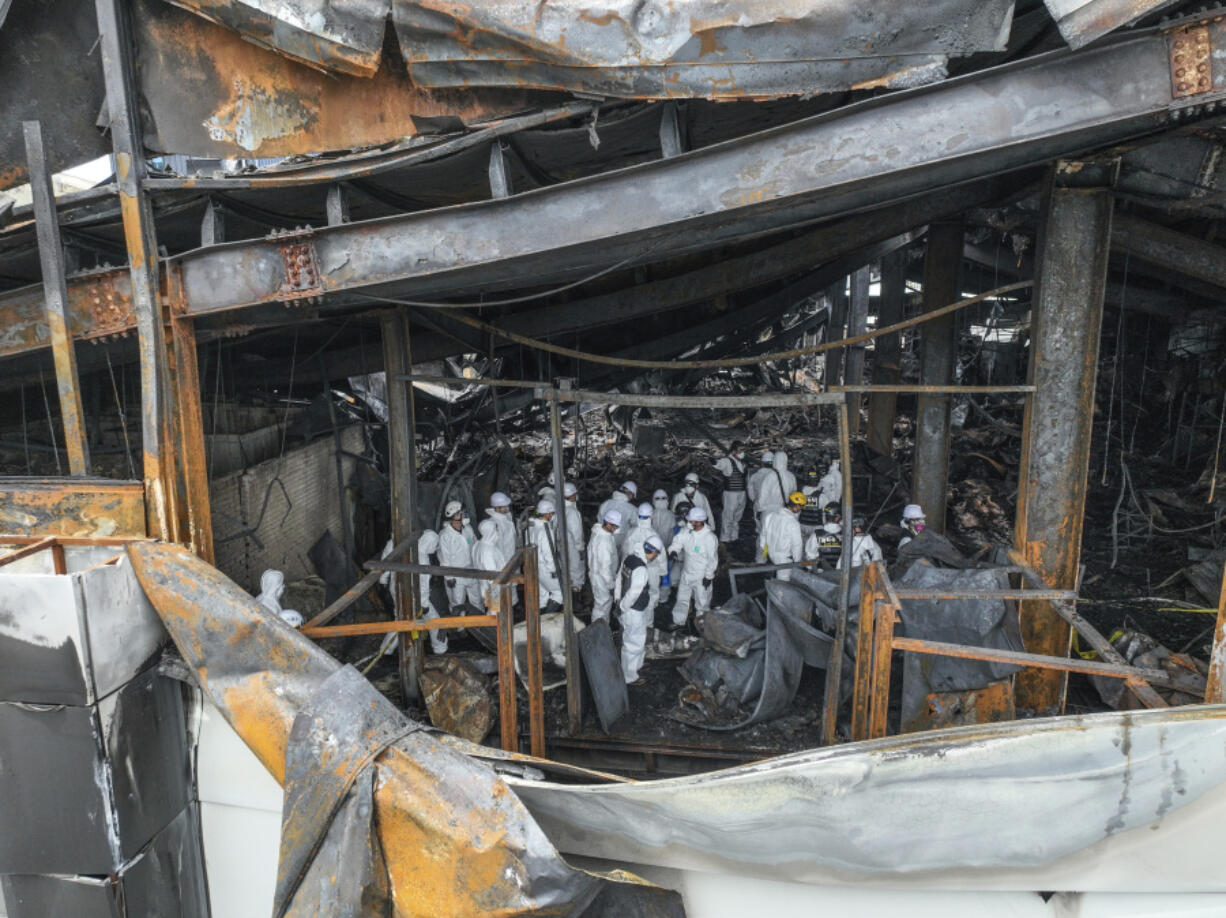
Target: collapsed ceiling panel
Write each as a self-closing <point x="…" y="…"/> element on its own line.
<point x="1082" y="21"/>
<point x="630" y="48"/>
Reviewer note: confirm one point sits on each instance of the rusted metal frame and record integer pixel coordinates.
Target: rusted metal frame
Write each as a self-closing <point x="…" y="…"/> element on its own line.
<point x="862" y="684"/>
<point x="885" y="619"/>
<point x="766" y="400"/>
<point x="32" y="549"/>
<point x="366" y="167"/>
<point x="942" y="275"/>
<point x="857" y="324"/>
<point x="887" y="353"/>
<point x="361" y="588"/>
<point x="137" y="213"/>
<point x="834" y="669"/>
<point x="443" y="623"/>
<point x="901" y="389"/>
<point x="508" y="719"/>
<point x="1191" y="58"/>
<point x="574" y="697"/>
<point x="1065" y="595"/>
<point x="1066" y="318"/>
<point x="71" y="540"/>
<point x="58" y="562"/>
<point x="1038" y="661"/>
<point x="532" y="625"/>
<point x="1173" y="251"/>
<point x="55" y="293"/>
<point x="1217" y="657"/>
<point x="402" y="472"/>
<point x="836" y="330"/>
<point x="196" y="520"/>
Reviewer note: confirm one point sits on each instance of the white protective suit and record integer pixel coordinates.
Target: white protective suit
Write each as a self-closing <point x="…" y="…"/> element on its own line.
<point x="699" y="554"/>
<point x="697" y="499"/>
<point x="602" y="560"/>
<point x="549" y="579"/>
<point x="663" y="519"/>
<point x="619" y="503"/>
<point x="640" y="531"/>
<point x="780" y="540"/>
<point x="734" y="501"/>
<point x="635" y="615"/>
<point x="427" y="544"/>
<point x="455" y="549"/>
<point x="634" y="542"/>
<point x="753" y="488"/>
<point x="829" y="532"/>
<point x="864" y="550"/>
<point x="574" y="544"/>
<point x="487" y="555"/>
<point x="777" y="484"/>
<point x="830" y="488"/>
<point x="272" y="587"/>
<point x="505" y="535"/>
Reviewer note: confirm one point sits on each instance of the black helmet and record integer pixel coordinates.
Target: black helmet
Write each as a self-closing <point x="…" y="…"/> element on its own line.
<point x="857" y="522"/>
<point x="683" y="508"/>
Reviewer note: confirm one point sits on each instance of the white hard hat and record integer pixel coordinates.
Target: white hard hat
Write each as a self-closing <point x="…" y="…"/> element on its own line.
<point x="613" y="516"/>
<point x="644" y="511"/>
<point x="544" y="506"/>
<point x="498" y="499"/>
<point x="630" y="488"/>
<point x="569" y="489"/>
<point x="291" y="618"/>
<point x="659" y="493"/>
<point x="453" y="507"/>
<point x="691" y="476"/>
<point x="913" y="512"/>
<point x="768" y="456"/>
<point x="653" y="543"/>
<point x="697" y="515"/>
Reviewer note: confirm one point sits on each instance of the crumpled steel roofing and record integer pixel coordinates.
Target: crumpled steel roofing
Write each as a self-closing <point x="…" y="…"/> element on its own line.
<point x="716" y="49"/>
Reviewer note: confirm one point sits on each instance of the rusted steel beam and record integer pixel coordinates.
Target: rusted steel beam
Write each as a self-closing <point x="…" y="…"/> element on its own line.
<point x="883" y="650"/>
<point x="942" y="273"/>
<point x="834" y="669"/>
<point x="1038" y="661"/>
<point x="887" y="353"/>
<point x="836" y="330"/>
<point x="532" y="626"/>
<point x="766" y="400"/>
<point x="1074" y="242"/>
<point x="1171" y="250"/>
<point x="71" y="507"/>
<point x="403" y="567"/>
<point x="25" y="552"/>
<point x="1217" y="658"/>
<point x="443" y="623"/>
<point x="574" y="698"/>
<point x="508" y="720"/>
<point x="899" y="389"/>
<point x="862" y="685"/>
<point x="857" y="324"/>
<point x="143" y="268"/>
<point x="184" y="374"/>
<point x="55" y="290"/>
<point x="990" y="595"/>
<point x="361" y="588"/>
<point x="402" y="472"/>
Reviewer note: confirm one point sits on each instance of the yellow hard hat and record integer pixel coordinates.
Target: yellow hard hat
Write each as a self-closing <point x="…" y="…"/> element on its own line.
<point x="798" y="499"/>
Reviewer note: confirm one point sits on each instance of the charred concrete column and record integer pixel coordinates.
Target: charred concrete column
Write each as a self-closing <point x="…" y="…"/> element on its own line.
<point x="1071" y="265"/>
<point x="887" y="353"/>
<point x="942" y="262"/>
<point x="837" y="297"/>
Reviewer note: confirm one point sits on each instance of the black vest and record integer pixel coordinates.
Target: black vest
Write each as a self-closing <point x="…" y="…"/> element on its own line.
<point x="735" y="481"/>
<point x="629" y="566"/>
<point x="811" y="514"/>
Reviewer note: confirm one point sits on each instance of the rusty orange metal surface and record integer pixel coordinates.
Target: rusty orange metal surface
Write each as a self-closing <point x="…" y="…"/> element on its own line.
<point x="99" y="306"/>
<point x="71" y="507"/>
<point x="456" y="840"/>
<point x="212" y="93"/>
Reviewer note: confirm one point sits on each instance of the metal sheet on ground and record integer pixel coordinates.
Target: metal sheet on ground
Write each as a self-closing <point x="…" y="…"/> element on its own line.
<point x="603" y="668"/>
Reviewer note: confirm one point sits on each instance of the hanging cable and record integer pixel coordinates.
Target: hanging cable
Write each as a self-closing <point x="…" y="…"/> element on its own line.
<point x="123" y="421"/>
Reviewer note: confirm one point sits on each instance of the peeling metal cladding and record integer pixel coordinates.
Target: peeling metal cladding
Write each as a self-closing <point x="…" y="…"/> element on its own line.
<point x="50" y="72"/>
<point x="209" y="92"/>
<point x="79" y="507"/>
<point x="451" y="831"/>
<point x="342" y="36"/>
<point x="694" y="49"/>
<point x="857" y="157"/>
<point x="1082" y="21"/>
<point x="982" y="801"/>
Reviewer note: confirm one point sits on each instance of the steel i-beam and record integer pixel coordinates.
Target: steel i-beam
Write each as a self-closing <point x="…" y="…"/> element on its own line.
<point x="887" y="354"/>
<point x="1073" y="246"/>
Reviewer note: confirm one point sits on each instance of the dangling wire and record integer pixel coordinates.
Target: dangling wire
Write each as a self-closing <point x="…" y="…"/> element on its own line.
<point x="1115" y="372"/>
<point x="42" y="384"/>
<point x="123" y="421"/>
<point x="25" y="434"/>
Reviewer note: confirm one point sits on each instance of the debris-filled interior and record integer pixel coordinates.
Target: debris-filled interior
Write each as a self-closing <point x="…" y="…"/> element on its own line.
<point x="564" y="448"/>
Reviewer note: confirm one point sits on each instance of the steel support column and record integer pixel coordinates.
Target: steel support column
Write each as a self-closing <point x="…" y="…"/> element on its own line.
<point x="857" y="324"/>
<point x="116" y="48"/>
<point x="1073" y="245"/>
<point x="836" y="326"/>
<point x="574" y="698"/>
<point x="930" y="480"/>
<point x="402" y="467"/>
<point x="55" y="293"/>
<point x="887" y="353"/>
<point x="194" y="523"/>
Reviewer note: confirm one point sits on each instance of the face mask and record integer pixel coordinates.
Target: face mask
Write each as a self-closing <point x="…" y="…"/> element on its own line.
<point x="502" y="509"/>
<point x="918" y="527"/>
<point x="465" y="521"/>
<point x="689" y="489"/>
